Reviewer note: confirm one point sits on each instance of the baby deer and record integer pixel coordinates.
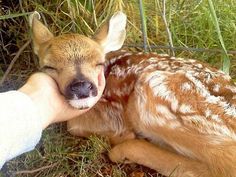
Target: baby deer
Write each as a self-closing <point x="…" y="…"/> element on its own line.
<point x="172" y="115"/>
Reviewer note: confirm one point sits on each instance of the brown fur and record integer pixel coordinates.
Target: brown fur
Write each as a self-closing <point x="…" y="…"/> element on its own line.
<point x="174" y="116"/>
<point x="76" y="61"/>
<point x="70" y="53"/>
<point x="177" y="143"/>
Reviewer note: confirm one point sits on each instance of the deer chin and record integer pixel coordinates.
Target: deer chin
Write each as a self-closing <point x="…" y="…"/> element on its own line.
<point x="84" y="103"/>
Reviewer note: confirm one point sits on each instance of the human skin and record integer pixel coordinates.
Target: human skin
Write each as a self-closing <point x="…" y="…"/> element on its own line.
<point x="48" y="100"/>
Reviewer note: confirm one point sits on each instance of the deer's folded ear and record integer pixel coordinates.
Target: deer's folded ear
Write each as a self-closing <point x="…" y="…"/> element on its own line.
<point x="40" y="33"/>
<point x="112" y="34"/>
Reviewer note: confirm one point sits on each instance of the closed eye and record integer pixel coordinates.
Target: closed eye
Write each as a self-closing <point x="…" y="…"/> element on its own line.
<point x="46" y="67"/>
<point x="101" y="64"/>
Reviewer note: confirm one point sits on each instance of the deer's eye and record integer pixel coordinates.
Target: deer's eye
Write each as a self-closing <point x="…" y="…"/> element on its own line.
<point x="100" y="64"/>
<point x="50" y="68"/>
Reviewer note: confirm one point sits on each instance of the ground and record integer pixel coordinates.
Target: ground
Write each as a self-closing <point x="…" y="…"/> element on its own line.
<point x="191" y="24"/>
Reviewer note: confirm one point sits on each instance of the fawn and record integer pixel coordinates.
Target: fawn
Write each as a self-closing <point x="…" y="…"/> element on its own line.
<point x="175" y="116"/>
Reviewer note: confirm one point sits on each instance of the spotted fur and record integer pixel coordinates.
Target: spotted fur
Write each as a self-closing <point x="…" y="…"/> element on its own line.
<point x="184" y="106"/>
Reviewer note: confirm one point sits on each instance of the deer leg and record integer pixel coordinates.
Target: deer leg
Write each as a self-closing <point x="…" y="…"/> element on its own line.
<point x="99" y="122"/>
<point x="163" y="161"/>
<point x="219" y="154"/>
<point x="89" y="123"/>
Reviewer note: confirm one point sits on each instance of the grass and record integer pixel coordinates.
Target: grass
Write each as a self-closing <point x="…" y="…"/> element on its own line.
<point x="226" y="60"/>
<point x="192" y="24"/>
<point x="60" y="154"/>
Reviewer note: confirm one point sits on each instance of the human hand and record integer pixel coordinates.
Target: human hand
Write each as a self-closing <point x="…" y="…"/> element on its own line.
<point x="52" y="106"/>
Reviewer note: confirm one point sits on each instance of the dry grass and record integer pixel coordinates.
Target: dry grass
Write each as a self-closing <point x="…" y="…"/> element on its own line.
<point x="190" y="23"/>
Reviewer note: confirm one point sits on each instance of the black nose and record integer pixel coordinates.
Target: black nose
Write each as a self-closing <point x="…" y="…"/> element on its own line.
<point x="83" y="89"/>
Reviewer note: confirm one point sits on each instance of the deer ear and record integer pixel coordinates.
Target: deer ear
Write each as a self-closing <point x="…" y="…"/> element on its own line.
<point x="112" y="34"/>
<point x="40" y="33"/>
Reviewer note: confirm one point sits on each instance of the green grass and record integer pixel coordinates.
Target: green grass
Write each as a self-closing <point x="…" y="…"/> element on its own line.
<point x="192" y="23"/>
<point x="226" y="60"/>
<point x="60" y="154"/>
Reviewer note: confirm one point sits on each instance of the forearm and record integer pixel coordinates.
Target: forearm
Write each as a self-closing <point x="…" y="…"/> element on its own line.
<point x="20" y="125"/>
<point x="26" y="112"/>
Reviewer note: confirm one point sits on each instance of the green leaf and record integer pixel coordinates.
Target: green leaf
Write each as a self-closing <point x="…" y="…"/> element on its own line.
<point x="226" y="60"/>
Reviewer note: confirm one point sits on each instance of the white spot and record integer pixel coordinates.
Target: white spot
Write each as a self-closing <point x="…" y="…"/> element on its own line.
<point x="175" y="67"/>
<point x="185" y="108"/>
<point x="228" y="109"/>
<point x="128" y="61"/>
<point x="209" y="127"/>
<point x="216" y="88"/>
<point x="149" y="67"/>
<point x="231" y="88"/>
<point x="117" y="71"/>
<point x="113" y="60"/>
<point x="107" y="92"/>
<point x="165" y="112"/>
<point x="186" y="86"/>
<point x="208" y="70"/>
<point x="191" y="60"/>
<point x="221" y="72"/>
<point x="208" y="113"/>
<point x="125" y="89"/>
<point x="163" y="63"/>
<point x="181" y="59"/>
<point x="199" y="66"/>
<point x="208" y="77"/>
<point x="152" y="119"/>
<point x="213" y="99"/>
<point x="118" y="92"/>
<point x="103" y="100"/>
<point x="216" y="118"/>
<point x="152" y="60"/>
<point x="145" y="115"/>
<point x="177" y="58"/>
<point x="127" y="54"/>
<point x="142" y="61"/>
<point x="197" y="118"/>
<point x="221" y="130"/>
<point x="139" y="53"/>
<point x="157" y="82"/>
<point x="154" y="53"/>
<point x="137" y="69"/>
<point x="226" y="77"/>
<point x="174" y="124"/>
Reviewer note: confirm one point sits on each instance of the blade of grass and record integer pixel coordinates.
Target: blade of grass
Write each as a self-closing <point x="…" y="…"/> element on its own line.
<point x="226" y="60"/>
<point x="1" y="73"/>
<point x="144" y="24"/>
<point x="4" y="17"/>
<point x="169" y="35"/>
<point x="94" y="14"/>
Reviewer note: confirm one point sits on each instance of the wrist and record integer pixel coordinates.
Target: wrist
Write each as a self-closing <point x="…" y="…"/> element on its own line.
<point x="39" y="98"/>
